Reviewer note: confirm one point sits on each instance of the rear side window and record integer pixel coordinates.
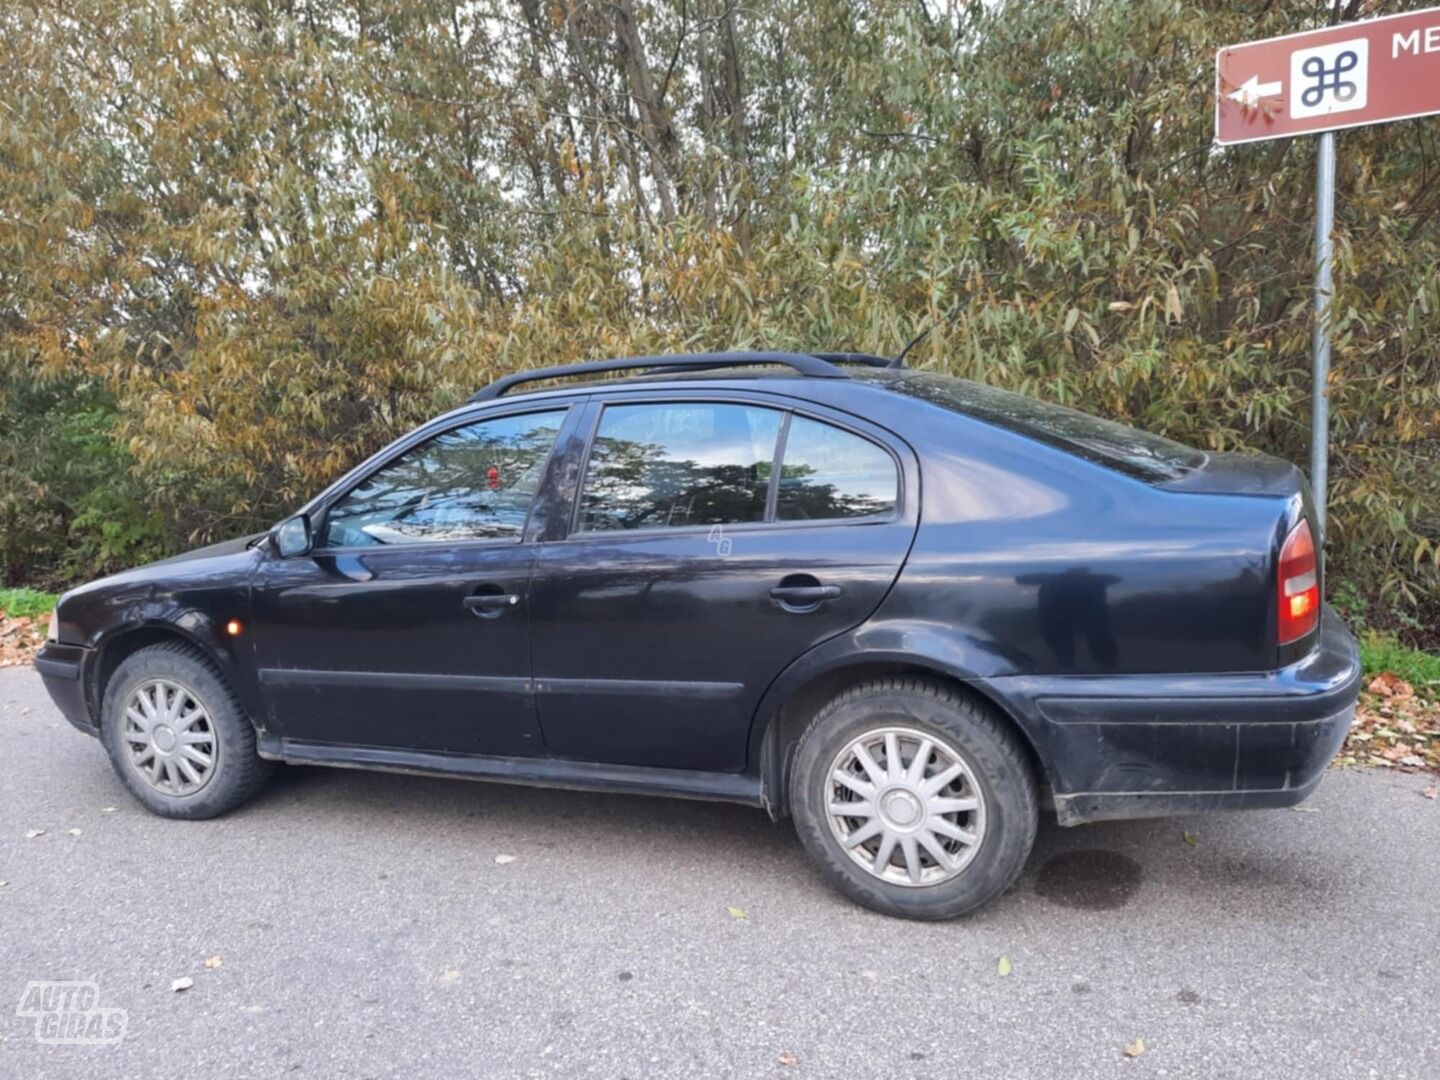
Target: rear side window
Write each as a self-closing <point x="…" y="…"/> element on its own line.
<point x="677" y="464"/>
<point x="829" y="473"/>
<point x="1105" y="442"/>
<point x="472" y="483"/>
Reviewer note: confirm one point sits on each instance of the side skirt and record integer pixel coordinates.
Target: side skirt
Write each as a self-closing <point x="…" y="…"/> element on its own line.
<point x="529" y="772"/>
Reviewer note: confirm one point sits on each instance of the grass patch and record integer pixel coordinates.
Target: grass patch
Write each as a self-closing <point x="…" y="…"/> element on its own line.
<point x="19" y="603"/>
<point x="1380" y="652"/>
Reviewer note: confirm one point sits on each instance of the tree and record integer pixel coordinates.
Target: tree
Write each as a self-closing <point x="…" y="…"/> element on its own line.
<point x="269" y="236"/>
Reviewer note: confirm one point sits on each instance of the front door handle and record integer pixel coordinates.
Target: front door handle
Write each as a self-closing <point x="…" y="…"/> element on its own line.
<point x="490" y="605"/>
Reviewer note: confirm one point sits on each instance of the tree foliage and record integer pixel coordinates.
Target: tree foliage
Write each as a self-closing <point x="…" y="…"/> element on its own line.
<point x="256" y="239"/>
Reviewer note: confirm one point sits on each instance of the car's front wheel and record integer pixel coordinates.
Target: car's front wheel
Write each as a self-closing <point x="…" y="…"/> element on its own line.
<point x="913" y="799"/>
<point x="177" y="736"/>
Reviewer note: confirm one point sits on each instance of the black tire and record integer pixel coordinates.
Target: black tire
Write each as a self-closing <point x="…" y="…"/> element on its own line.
<point x="238" y="771"/>
<point x="998" y="764"/>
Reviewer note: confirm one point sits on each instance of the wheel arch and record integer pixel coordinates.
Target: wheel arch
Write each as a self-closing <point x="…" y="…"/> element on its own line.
<point x="788" y="712"/>
<point x="115" y="647"/>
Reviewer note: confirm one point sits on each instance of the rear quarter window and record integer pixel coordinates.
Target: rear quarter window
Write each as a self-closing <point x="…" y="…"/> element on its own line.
<point x="1137" y="453"/>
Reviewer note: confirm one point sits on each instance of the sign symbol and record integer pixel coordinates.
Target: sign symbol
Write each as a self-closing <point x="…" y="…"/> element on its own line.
<point x="1328" y="78"/>
<point x="1252" y="90"/>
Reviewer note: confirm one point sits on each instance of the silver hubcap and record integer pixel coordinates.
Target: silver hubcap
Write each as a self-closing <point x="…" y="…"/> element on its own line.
<point x="169" y="737"/>
<point x="905" y="806"/>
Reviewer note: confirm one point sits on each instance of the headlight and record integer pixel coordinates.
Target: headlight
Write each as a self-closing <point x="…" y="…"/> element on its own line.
<point x="53" y="633"/>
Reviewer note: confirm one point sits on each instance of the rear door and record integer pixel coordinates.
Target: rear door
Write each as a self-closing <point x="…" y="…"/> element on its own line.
<point x="713" y="540"/>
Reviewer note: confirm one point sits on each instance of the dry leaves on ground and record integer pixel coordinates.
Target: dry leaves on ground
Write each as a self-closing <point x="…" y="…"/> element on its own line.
<point x="1395" y="727"/>
<point x="20" y="639"/>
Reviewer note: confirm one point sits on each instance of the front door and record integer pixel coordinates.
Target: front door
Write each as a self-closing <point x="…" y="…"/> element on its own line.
<point x="693" y="571"/>
<point x="406" y="626"/>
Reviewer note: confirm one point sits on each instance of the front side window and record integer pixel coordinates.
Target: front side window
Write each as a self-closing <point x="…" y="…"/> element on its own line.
<point x="830" y="473"/>
<point x="471" y="483"/>
<point x="676" y="464"/>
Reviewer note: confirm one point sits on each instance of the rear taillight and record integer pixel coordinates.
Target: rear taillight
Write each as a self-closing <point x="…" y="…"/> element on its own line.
<point x="1299" y="608"/>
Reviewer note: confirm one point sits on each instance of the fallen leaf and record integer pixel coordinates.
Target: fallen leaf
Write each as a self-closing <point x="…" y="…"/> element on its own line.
<point x="213" y="962"/>
<point x="1431" y="792"/>
<point x="1191" y="838"/>
<point x="1135" y="1049"/>
<point x="738" y="913"/>
<point x="789" y="1060"/>
<point x="73" y="832"/>
<point x="504" y="860"/>
<point x="1004" y="967"/>
<point x="1390" y="685"/>
<point x="185" y="982"/>
<point x="33" y="833"/>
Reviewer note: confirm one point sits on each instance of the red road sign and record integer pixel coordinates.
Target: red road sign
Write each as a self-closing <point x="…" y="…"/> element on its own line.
<point x="1342" y="76"/>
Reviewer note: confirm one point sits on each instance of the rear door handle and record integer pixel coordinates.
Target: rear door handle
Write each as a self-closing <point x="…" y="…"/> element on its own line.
<point x="805" y="596"/>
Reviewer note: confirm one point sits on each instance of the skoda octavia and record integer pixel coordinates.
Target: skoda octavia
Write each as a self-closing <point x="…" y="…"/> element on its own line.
<point x="907" y="611"/>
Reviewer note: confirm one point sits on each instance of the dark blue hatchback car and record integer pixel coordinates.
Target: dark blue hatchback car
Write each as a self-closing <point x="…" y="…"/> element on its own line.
<point x="906" y="610"/>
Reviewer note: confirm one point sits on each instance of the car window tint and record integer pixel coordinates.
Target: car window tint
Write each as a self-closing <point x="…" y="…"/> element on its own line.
<point x="830" y="473"/>
<point x="659" y="466"/>
<point x="473" y="483"/>
<point x="1105" y="442"/>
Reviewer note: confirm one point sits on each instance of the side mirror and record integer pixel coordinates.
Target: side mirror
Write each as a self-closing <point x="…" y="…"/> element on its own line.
<point x="292" y="536"/>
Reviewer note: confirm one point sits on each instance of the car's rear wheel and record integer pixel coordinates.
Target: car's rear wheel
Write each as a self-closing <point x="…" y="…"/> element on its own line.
<point x="913" y="799"/>
<point x="177" y="736"/>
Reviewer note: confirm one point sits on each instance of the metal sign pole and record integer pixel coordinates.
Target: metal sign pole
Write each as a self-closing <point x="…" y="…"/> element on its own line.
<point x="1324" y="286"/>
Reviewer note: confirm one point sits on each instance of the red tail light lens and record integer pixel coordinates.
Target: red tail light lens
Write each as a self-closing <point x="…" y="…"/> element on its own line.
<point x="1299" y="608"/>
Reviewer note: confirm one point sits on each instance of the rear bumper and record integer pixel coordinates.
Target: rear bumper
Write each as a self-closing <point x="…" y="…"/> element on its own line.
<point x="62" y="669"/>
<point x="1155" y="745"/>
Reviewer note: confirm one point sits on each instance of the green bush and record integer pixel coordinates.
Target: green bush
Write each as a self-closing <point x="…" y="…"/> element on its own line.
<point x="71" y="506"/>
<point x="26" y="603"/>
<point x="1382" y="652"/>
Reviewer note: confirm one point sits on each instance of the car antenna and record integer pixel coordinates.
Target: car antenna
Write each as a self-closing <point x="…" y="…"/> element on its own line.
<point x="899" y="361"/>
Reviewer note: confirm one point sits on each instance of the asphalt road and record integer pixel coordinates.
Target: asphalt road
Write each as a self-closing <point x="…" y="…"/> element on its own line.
<point x="365" y="928"/>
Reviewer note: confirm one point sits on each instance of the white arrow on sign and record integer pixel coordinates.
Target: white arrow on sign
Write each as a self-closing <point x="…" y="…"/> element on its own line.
<point x="1252" y="90"/>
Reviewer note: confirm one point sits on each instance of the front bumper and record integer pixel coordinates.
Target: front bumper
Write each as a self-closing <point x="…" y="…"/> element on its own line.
<point x="1155" y="745"/>
<point x="62" y="668"/>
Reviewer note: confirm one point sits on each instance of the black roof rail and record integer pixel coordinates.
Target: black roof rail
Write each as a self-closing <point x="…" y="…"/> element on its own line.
<point x="868" y="359"/>
<point x="813" y="366"/>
